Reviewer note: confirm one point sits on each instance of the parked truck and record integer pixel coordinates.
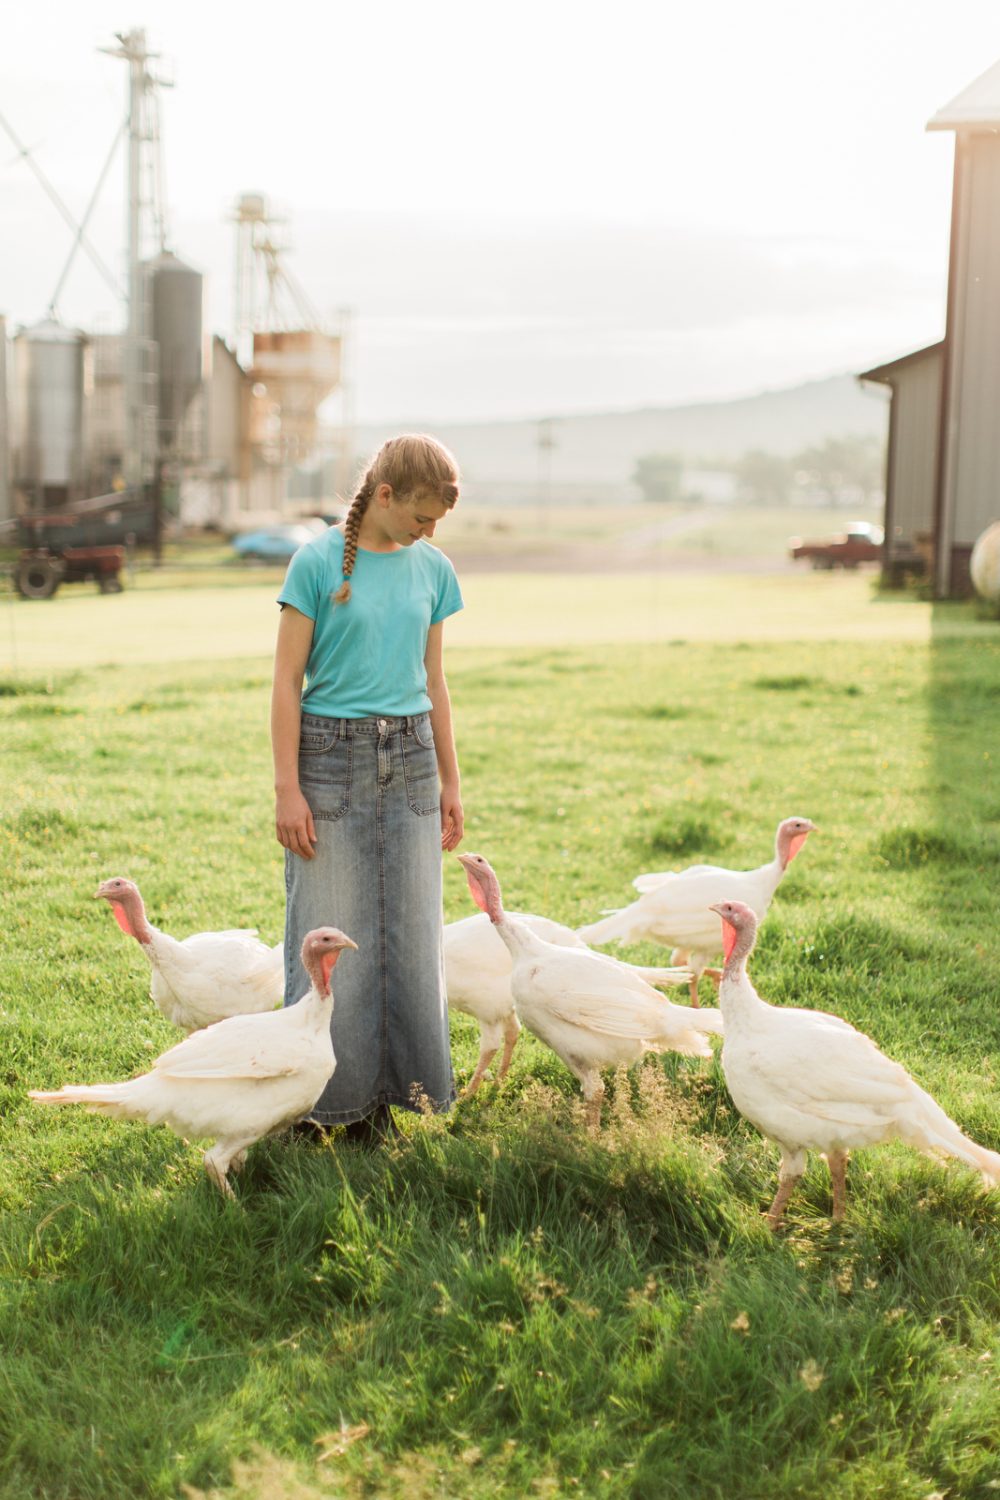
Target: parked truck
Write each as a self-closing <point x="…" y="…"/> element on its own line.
<point x="859" y="542"/>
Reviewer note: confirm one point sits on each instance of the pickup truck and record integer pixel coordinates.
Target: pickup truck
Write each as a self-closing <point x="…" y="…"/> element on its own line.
<point x="859" y="542"/>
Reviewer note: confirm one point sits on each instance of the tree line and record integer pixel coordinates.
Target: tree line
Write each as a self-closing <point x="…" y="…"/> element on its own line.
<point x="840" y="470"/>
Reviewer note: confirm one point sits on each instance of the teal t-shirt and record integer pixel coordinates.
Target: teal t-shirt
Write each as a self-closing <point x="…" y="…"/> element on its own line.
<point x="367" y="656"/>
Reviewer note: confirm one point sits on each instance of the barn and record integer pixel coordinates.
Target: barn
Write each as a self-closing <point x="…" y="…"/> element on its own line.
<point x="943" y="464"/>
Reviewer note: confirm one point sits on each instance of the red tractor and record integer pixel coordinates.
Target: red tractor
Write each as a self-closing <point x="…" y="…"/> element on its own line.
<point x="85" y="540"/>
<point x="40" y="570"/>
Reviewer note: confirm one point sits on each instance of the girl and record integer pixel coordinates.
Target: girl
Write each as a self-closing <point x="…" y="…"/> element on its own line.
<point x="366" y="781"/>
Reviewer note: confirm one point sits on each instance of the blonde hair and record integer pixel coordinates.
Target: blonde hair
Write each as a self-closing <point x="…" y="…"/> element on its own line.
<point x="411" y="464"/>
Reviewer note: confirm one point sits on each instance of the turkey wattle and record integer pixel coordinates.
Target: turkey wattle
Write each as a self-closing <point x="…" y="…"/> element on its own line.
<point x="237" y="1080"/>
<point x="477" y="970"/>
<point x="674" y="907"/>
<point x="810" y="1082"/>
<point x="589" y="1009"/>
<point x="203" y="978"/>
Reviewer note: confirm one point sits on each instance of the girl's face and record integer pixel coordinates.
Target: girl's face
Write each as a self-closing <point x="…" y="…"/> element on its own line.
<point x="409" y="517"/>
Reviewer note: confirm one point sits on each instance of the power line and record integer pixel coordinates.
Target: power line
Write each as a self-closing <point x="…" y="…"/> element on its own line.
<point x="54" y="197"/>
<point x="83" y="222"/>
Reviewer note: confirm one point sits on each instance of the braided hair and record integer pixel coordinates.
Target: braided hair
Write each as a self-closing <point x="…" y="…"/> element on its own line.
<point x="411" y="464"/>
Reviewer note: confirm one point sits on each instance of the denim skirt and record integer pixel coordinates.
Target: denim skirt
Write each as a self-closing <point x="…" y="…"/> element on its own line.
<point x="372" y="785"/>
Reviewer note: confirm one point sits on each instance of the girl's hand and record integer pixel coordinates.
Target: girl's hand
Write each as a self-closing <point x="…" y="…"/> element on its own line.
<point x="452" y="818"/>
<point x="293" y="824"/>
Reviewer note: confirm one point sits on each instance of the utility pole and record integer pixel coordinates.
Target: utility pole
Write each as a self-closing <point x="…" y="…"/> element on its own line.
<point x="132" y="49"/>
<point x="545" y="442"/>
<point x="143" y="197"/>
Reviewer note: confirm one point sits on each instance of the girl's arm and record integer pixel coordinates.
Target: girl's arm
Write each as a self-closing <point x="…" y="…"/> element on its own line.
<point x="293" y="821"/>
<point x="452" y="816"/>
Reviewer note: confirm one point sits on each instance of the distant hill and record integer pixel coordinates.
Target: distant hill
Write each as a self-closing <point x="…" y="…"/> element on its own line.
<point x="595" y="453"/>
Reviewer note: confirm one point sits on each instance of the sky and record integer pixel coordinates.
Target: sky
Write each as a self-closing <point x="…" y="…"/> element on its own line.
<point x="539" y="208"/>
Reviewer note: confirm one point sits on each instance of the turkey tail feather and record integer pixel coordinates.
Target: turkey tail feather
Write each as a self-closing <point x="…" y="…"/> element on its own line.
<point x="617" y="926"/>
<point x="985" y="1161"/>
<point x="937" y="1132"/>
<point x="655" y="976"/>
<point x="685" y="1030"/>
<point x="100" y="1098"/>
<point x="688" y="1043"/>
<point x="706" y="1019"/>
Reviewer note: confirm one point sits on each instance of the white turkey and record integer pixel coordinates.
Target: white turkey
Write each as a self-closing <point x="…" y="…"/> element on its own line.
<point x="810" y="1082"/>
<point x="673" y="908"/>
<point x="238" y="1080"/>
<point x="589" y="1009"/>
<point x="203" y="978"/>
<point x="477" y="973"/>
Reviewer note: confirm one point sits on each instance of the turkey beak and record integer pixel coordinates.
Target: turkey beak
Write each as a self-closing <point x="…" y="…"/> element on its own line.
<point x="347" y="943"/>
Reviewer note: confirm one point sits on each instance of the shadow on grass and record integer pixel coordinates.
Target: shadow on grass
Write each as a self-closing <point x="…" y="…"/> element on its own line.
<point x="955" y="858"/>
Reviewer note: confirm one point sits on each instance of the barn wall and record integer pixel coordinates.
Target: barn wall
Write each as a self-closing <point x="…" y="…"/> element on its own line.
<point x="971" y="471"/>
<point x="914" y="454"/>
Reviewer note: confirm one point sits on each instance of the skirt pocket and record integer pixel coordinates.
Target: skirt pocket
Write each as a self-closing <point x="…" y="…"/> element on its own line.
<point x="423" y="792"/>
<point x="325" y="773"/>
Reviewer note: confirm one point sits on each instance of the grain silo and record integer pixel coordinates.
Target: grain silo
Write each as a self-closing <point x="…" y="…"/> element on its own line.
<point x="175" y="300"/>
<point x="51" y="376"/>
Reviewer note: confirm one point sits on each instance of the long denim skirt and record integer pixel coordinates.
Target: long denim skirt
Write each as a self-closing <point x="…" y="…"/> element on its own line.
<point x="372" y="785"/>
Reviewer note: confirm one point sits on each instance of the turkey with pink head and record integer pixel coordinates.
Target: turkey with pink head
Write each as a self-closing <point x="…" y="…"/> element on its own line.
<point x="673" y="908"/>
<point x="477" y="969"/>
<point x="203" y="978"/>
<point x="810" y="1082"/>
<point x="592" y="1011"/>
<point x="237" y="1080"/>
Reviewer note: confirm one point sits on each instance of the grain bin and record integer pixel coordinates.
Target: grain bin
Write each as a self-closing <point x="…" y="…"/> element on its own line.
<point x="51" y="379"/>
<point x="175" y="304"/>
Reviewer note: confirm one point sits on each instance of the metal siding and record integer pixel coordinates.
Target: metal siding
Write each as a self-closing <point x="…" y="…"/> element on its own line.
<point x="225" y="411"/>
<point x="977" y="430"/>
<point x="916" y="403"/>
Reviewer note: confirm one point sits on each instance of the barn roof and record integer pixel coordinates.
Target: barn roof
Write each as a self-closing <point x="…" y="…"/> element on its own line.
<point x="884" y="373"/>
<point x="976" y="107"/>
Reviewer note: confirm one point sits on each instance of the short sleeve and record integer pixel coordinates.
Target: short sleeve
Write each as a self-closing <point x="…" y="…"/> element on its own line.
<point x="449" y="596"/>
<point x="303" y="585"/>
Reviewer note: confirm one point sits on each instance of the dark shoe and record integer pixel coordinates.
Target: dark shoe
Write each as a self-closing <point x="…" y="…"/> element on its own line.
<point x="376" y="1129"/>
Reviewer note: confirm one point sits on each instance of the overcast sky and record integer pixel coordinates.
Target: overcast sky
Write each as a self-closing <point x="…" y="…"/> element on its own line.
<point x="539" y="207"/>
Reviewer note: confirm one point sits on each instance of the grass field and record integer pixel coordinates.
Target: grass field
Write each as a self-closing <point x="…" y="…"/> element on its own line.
<point x="79" y="627"/>
<point x="503" y="1305"/>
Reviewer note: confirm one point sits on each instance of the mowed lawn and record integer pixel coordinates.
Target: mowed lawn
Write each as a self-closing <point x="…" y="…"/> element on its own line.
<point x="153" y="623"/>
<point x="502" y="1304"/>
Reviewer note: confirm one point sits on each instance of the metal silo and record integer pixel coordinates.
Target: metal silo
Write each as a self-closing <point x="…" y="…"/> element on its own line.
<point x="49" y="387"/>
<point x="175" y="305"/>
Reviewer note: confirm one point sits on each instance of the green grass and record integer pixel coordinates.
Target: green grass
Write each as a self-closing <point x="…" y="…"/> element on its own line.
<point x="80" y="627"/>
<point x="502" y="1304"/>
